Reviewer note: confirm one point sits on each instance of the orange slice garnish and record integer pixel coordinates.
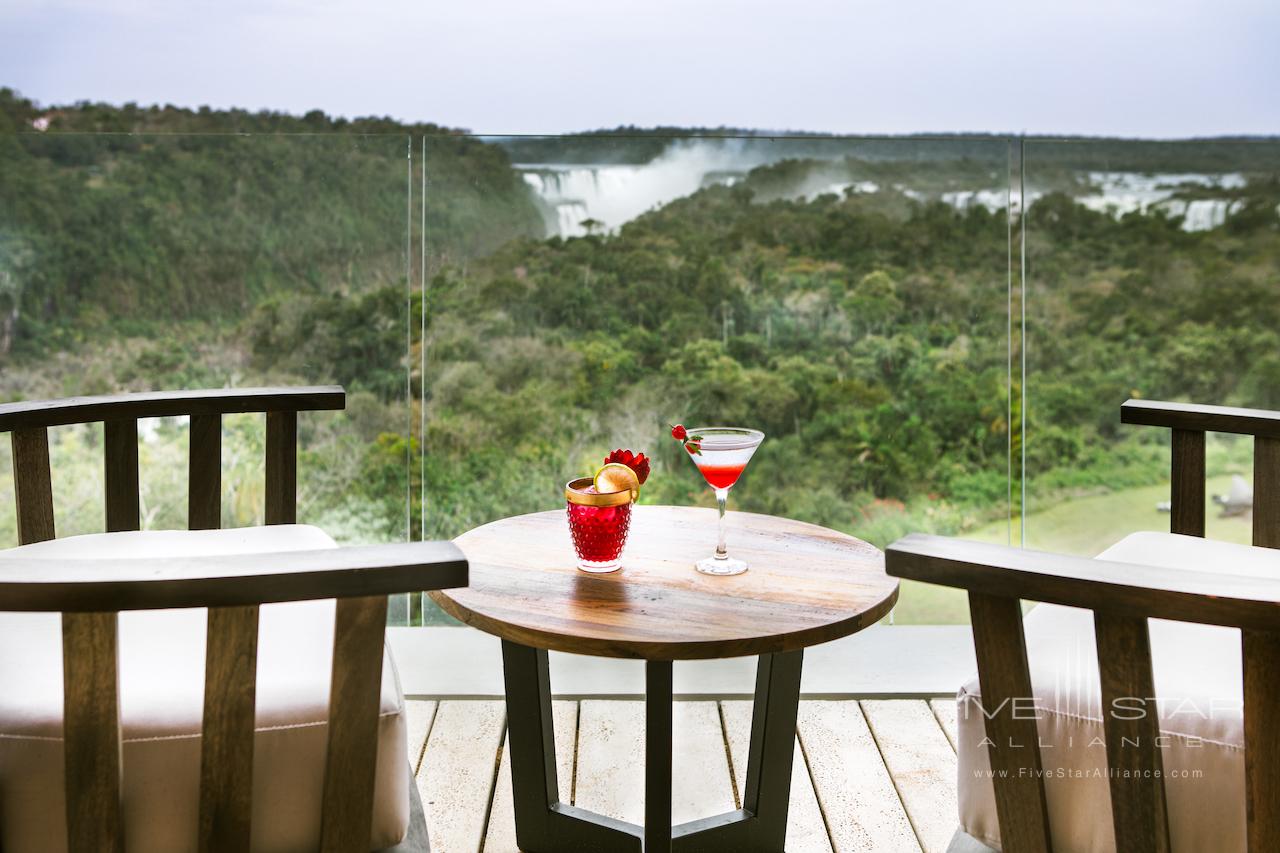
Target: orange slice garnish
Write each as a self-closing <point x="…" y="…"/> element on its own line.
<point x="616" y="477"/>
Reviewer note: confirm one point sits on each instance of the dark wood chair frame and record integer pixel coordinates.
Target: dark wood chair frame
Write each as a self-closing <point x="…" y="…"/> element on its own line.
<point x="90" y="594"/>
<point x="1123" y="597"/>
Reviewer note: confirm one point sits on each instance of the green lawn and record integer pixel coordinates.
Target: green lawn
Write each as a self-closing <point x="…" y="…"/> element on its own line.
<point x="1084" y="526"/>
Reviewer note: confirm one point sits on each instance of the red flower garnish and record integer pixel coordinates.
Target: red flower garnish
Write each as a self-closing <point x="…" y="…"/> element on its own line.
<point x="678" y="432"/>
<point x="637" y="462"/>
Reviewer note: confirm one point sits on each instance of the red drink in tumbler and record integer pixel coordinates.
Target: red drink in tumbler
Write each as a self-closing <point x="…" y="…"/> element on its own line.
<point x="598" y="524"/>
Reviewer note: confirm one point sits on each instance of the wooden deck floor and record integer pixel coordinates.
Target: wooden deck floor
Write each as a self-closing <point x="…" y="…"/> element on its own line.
<point x="869" y="775"/>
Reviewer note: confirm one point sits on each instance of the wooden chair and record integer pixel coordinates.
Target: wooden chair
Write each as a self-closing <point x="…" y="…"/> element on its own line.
<point x="1123" y="596"/>
<point x="90" y="593"/>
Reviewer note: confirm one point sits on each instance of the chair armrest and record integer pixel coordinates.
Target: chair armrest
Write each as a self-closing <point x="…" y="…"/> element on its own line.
<point x="149" y="583"/>
<point x="32" y="414"/>
<point x="1126" y="588"/>
<point x="1191" y="416"/>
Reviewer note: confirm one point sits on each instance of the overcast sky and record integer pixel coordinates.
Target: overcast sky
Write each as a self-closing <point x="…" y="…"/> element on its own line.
<point x="1156" y="68"/>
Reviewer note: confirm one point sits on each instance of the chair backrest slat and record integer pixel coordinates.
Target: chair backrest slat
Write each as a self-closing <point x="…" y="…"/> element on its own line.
<point x="204" y="473"/>
<point x="1187" y="487"/>
<point x="226" y="754"/>
<point x="354" y="702"/>
<point x="282" y="467"/>
<point x="120" y="466"/>
<point x="1132" y="725"/>
<point x="1266" y="492"/>
<point x="1013" y="739"/>
<point x="1261" y="653"/>
<point x="91" y="731"/>
<point x="33" y="485"/>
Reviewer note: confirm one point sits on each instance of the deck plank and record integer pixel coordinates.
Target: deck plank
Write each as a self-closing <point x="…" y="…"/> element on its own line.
<point x="877" y="775"/>
<point x="611" y="760"/>
<point x="701" y="786"/>
<point x="500" y="836"/>
<point x="419" y="713"/>
<point x="922" y="763"/>
<point x="457" y="775"/>
<point x="945" y="711"/>
<point x="806" y="831"/>
<point x="851" y="781"/>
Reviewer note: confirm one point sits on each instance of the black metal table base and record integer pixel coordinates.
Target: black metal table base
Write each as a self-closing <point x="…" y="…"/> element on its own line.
<point x="546" y="825"/>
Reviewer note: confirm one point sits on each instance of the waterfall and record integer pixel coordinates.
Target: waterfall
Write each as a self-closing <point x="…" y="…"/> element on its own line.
<point x="1119" y="193"/>
<point x="569" y="218"/>
<point x="609" y="194"/>
<point x="614" y="194"/>
<point x="992" y="200"/>
<point x="1203" y="214"/>
<point x="839" y="188"/>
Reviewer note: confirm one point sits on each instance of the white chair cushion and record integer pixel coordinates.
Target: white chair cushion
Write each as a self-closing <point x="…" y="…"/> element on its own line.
<point x="1198" y="679"/>
<point x="162" y="654"/>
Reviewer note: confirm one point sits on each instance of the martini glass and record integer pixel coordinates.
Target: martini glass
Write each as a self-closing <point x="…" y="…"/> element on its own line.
<point x="725" y="454"/>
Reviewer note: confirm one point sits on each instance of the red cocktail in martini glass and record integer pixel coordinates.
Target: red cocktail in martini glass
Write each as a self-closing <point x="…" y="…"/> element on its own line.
<point x="722" y="454"/>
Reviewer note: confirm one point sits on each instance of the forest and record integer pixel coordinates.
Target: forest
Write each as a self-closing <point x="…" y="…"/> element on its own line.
<point x="876" y="339"/>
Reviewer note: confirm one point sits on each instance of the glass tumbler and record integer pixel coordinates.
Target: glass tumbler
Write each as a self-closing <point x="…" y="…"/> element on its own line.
<point x="598" y="524"/>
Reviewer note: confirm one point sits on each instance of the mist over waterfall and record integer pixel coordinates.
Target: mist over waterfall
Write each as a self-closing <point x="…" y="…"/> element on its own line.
<point x="578" y="198"/>
<point x="614" y="194"/>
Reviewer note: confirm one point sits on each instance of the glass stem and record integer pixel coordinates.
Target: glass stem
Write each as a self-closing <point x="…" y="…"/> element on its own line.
<point x="722" y="497"/>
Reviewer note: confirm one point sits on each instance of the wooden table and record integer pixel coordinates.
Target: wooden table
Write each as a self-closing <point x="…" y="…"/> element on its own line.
<point x="806" y="585"/>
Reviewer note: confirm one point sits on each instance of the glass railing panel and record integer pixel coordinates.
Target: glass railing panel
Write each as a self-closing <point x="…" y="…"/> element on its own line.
<point x="148" y="261"/>
<point x="848" y="296"/>
<point x="1151" y="272"/>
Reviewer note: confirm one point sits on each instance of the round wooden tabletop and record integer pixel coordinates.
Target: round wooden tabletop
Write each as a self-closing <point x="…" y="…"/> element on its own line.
<point x="806" y="585"/>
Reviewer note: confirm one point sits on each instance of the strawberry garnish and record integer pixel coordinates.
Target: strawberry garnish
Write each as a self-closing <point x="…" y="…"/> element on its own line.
<point x="692" y="443"/>
<point x="637" y="462"/>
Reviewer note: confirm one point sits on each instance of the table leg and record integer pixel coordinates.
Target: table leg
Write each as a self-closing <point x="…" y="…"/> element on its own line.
<point x="543" y="823"/>
<point x="546" y="825"/>
<point x="773" y="739"/>
<point x="530" y="734"/>
<point x="760" y="826"/>
<point x="657" y="757"/>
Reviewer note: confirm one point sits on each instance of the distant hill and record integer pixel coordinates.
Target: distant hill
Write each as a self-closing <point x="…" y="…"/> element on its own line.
<point x="131" y="215"/>
<point x="634" y="145"/>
